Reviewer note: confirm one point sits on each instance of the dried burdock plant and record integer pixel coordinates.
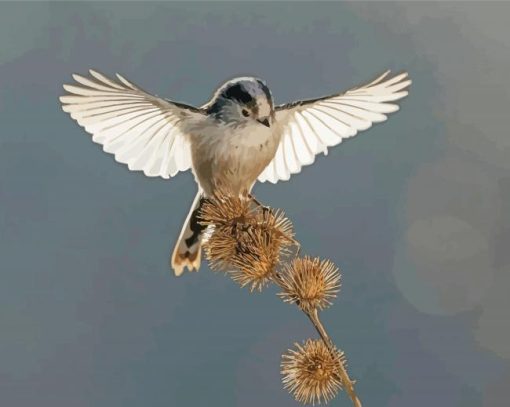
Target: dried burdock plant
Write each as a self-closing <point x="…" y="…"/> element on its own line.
<point x="246" y="241"/>
<point x="312" y="373"/>
<point x="252" y="244"/>
<point x="310" y="283"/>
<point x="224" y="209"/>
<point x="255" y="264"/>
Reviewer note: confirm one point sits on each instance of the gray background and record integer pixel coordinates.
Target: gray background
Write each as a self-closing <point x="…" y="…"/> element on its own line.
<point x="415" y="211"/>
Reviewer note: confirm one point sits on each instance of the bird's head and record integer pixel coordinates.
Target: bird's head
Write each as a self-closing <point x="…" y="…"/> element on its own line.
<point x="243" y="101"/>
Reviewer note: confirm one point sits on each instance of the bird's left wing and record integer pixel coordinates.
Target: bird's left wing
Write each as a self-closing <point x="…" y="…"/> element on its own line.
<point x="141" y="130"/>
<point x="309" y="127"/>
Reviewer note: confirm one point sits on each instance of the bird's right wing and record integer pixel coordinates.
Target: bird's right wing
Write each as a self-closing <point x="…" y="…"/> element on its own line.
<point x="141" y="130"/>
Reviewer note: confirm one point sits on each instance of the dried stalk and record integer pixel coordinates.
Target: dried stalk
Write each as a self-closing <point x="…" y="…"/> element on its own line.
<point x="347" y="382"/>
<point x="254" y="244"/>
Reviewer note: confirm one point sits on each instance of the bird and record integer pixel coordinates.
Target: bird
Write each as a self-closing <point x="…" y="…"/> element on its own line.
<point x="232" y="141"/>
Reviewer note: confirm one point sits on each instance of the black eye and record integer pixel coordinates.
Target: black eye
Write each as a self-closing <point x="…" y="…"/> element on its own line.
<point x="245" y="113"/>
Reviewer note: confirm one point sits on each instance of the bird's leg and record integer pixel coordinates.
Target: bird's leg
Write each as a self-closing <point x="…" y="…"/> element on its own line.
<point x="265" y="209"/>
<point x="254" y="200"/>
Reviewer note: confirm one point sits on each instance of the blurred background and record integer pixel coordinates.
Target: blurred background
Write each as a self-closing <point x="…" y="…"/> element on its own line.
<point x="414" y="211"/>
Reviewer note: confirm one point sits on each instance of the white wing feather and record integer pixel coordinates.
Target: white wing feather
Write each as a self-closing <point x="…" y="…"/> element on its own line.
<point x="141" y="130"/>
<point x="309" y="127"/>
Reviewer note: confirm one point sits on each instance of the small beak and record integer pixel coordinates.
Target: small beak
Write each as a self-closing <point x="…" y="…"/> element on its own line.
<point x="264" y="121"/>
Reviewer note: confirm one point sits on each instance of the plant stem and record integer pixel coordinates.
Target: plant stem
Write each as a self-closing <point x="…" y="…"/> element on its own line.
<point x="347" y="382"/>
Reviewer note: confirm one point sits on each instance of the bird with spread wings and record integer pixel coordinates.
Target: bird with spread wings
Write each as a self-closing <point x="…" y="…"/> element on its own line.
<point x="238" y="137"/>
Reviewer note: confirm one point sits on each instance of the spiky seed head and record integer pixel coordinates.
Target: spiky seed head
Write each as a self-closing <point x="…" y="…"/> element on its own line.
<point x="224" y="209"/>
<point x="310" y="283"/>
<point x="256" y="263"/>
<point x="311" y="372"/>
<point x="246" y="241"/>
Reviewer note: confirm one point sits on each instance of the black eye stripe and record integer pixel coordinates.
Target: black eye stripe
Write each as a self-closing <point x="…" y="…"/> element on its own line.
<point x="237" y="92"/>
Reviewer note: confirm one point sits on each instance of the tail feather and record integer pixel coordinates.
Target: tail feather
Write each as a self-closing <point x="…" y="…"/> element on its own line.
<point x="187" y="251"/>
